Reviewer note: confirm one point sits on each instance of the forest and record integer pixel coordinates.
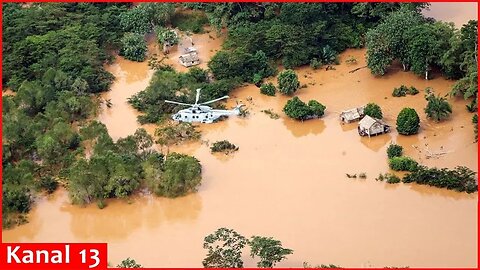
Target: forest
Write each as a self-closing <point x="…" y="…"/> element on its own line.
<point x="54" y="56"/>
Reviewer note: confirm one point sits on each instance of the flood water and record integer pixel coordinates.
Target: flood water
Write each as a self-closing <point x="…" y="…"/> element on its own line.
<point x="288" y="181"/>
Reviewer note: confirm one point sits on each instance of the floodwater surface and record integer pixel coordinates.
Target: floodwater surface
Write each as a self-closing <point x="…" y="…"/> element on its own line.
<point x="288" y="181"/>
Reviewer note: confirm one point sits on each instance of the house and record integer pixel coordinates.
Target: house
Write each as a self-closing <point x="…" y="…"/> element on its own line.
<point x="370" y="126"/>
<point x="189" y="59"/>
<point x="352" y="115"/>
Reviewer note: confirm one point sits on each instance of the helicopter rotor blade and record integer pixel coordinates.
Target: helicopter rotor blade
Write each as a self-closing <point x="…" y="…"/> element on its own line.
<point x="178" y="103"/>
<point x="214" y="100"/>
<point x="198" y="96"/>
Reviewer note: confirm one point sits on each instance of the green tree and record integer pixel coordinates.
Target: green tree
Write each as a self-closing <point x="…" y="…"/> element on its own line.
<point x="129" y="263"/>
<point x="317" y="108"/>
<point x="437" y="108"/>
<point x="134" y="47"/>
<point x="269" y="250"/>
<point x="408" y="122"/>
<point x="224" y="249"/>
<point x="181" y="175"/>
<point x="373" y="110"/>
<point x="394" y="150"/>
<point x="288" y="82"/>
<point x="268" y="89"/>
<point x="402" y="164"/>
<point x="297" y="109"/>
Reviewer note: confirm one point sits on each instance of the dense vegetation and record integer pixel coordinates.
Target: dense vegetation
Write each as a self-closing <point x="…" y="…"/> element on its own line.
<point x="225" y="248"/>
<point x="460" y="179"/>
<point x="288" y="82"/>
<point x="408" y="122"/>
<point x="268" y="89"/>
<point x="438" y="108"/>
<point x="394" y="150"/>
<point x="223" y="146"/>
<point x="403" y="91"/>
<point x="297" y="109"/>
<point x="402" y="164"/>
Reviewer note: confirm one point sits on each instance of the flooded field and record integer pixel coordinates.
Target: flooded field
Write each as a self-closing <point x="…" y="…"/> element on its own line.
<point x="288" y="180"/>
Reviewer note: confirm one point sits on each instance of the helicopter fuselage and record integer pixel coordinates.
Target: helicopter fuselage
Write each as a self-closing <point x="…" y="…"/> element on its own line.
<point x="202" y="115"/>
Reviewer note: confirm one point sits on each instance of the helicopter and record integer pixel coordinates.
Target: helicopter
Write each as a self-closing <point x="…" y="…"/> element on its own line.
<point x="201" y="112"/>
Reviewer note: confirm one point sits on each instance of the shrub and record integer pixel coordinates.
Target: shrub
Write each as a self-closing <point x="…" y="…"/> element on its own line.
<point x="460" y="179"/>
<point x="317" y="108"/>
<point x="373" y="110"/>
<point x="437" y="108"/>
<point x="268" y="89"/>
<point x="48" y="184"/>
<point x="181" y="174"/>
<point x="403" y="164"/>
<point x="400" y="91"/>
<point x="315" y="63"/>
<point x="392" y="179"/>
<point x="408" y="122"/>
<point x="223" y="146"/>
<point x="394" y="150"/>
<point x="176" y="133"/>
<point x="288" y="82"/>
<point x="412" y="91"/>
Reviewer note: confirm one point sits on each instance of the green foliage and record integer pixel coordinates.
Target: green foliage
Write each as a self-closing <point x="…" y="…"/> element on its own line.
<point x="394" y="150"/>
<point x="316" y="63"/>
<point x="129" y="263"/>
<point x="16" y="199"/>
<point x="240" y="64"/>
<point x="175" y="133"/>
<point x="400" y="91"/>
<point x="288" y="82"/>
<point x="166" y="36"/>
<point x="297" y="109"/>
<point x="134" y="47"/>
<point x="223" y="146"/>
<point x="392" y="179"/>
<point x="412" y="91"/>
<point x="181" y="175"/>
<point x="193" y="22"/>
<point x="141" y="18"/>
<point x="408" y="122"/>
<point x="268" y="89"/>
<point x="402" y="164"/>
<point x="224" y="249"/>
<point x="47" y="183"/>
<point x="269" y="250"/>
<point x="475" y="126"/>
<point x="461" y="178"/>
<point x="373" y="110"/>
<point x="437" y="108"/>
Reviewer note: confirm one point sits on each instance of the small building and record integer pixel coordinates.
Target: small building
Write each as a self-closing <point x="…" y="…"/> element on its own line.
<point x="370" y="126"/>
<point x="352" y="115"/>
<point x="189" y="59"/>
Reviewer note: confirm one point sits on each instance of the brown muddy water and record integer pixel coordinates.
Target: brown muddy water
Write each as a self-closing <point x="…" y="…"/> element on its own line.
<point x="288" y="181"/>
<point x="458" y="13"/>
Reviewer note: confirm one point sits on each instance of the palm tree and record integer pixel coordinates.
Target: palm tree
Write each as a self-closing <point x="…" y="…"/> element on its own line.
<point x="437" y="108"/>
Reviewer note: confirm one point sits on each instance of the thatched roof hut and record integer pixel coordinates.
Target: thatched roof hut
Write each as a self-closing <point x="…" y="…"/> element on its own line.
<point x="370" y="126"/>
<point x="352" y="115"/>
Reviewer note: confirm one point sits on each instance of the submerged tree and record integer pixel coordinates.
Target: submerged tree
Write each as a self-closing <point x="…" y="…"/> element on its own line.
<point x="373" y="110"/>
<point x="288" y="82"/>
<point x="269" y="250"/>
<point x="129" y="263"/>
<point x="408" y="122"/>
<point x="437" y="108"/>
<point x="224" y="249"/>
<point x="134" y="47"/>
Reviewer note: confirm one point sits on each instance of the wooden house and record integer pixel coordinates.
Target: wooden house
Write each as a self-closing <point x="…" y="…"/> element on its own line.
<point x="370" y="126"/>
<point x="189" y="59"/>
<point x="352" y="115"/>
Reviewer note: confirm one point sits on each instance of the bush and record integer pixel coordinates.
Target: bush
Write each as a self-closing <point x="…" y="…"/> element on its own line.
<point x="297" y="109"/>
<point x="412" y="91"/>
<point x="134" y="47"/>
<point x="394" y="150"/>
<point x="48" y="184"/>
<point x="288" y="82"/>
<point x="403" y="164"/>
<point x="373" y="110"/>
<point x="193" y="22"/>
<point x="268" y="89"/>
<point x="400" y="91"/>
<point x="317" y="108"/>
<point x="181" y="174"/>
<point x="223" y="146"/>
<point x="392" y="179"/>
<point x="408" y="122"/>
<point x="15" y="199"/>
<point x="437" y="108"/>
<point x="460" y="179"/>
<point x="315" y="63"/>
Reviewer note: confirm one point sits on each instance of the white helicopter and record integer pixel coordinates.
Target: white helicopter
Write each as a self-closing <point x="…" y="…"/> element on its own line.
<point x="202" y="113"/>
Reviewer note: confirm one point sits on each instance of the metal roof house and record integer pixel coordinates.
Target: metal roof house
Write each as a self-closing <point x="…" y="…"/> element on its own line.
<point x="370" y="126"/>
<point x="352" y="115"/>
<point x="189" y="59"/>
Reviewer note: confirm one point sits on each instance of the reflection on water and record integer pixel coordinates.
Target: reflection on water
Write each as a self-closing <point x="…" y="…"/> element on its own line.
<point x="288" y="181"/>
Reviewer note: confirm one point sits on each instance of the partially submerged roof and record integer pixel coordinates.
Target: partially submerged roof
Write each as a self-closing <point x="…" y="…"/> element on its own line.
<point x="352" y="114"/>
<point x="368" y="121"/>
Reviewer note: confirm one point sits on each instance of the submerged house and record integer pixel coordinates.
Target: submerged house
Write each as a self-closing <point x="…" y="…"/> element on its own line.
<point x="370" y="126"/>
<point x="352" y="115"/>
<point x="190" y="58"/>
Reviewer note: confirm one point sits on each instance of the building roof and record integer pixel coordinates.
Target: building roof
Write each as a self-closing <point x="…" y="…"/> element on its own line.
<point x="189" y="57"/>
<point x="367" y="122"/>
<point x="352" y="114"/>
